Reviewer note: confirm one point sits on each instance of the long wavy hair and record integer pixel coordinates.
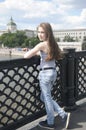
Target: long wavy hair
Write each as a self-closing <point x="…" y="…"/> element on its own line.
<point x="54" y="50"/>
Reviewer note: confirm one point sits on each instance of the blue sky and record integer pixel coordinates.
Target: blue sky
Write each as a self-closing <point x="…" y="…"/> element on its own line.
<point x="27" y="14"/>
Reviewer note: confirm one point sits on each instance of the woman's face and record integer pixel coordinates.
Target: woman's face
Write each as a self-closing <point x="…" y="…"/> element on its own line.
<point x="41" y="34"/>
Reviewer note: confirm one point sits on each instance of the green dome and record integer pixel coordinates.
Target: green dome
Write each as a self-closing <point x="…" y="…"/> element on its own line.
<point x="11" y="22"/>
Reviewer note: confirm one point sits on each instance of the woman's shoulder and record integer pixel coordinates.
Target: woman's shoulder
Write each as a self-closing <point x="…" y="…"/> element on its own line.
<point x="42" y="44"/>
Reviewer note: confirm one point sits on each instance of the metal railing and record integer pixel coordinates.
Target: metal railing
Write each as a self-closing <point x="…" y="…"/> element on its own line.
<point x="20" y="92"/>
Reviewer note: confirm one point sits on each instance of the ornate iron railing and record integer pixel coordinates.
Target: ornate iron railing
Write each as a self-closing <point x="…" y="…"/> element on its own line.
<point x="80" y="75"/>
<point x="20" y="92"/>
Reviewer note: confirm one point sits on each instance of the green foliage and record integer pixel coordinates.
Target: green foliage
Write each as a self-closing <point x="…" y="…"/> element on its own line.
<point x="84" y="43"/>
<point x="33" y="42"/>
<point x="84" y="39"/>
<point x="68" y="39"/>
<point x="18" y="39"/>
<point x="57" y="39"/>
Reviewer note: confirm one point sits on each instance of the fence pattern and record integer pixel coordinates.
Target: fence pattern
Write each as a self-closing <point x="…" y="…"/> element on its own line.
<point x="20" y="92"/>
<point x="80" y="75"/>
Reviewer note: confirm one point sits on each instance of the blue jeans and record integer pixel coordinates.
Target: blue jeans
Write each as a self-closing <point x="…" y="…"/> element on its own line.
<point x="46" y="80"/>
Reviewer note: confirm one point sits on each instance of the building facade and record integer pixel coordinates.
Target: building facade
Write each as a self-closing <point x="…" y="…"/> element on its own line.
<point x="76" y="34"/>
<point x="11" y="26"/>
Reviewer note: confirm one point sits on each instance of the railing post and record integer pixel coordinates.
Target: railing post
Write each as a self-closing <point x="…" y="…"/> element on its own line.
<point x="63" y="81"/>
<point x="70" y="99"/>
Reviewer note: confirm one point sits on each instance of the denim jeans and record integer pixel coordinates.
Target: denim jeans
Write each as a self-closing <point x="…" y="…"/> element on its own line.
<point x="46" y="80"/>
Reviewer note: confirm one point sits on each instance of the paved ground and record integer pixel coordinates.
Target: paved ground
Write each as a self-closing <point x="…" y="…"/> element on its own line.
<point x="77" y="120"/>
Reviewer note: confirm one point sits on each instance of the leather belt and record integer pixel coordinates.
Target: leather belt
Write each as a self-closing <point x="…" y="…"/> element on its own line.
<point x="46" y="68"/>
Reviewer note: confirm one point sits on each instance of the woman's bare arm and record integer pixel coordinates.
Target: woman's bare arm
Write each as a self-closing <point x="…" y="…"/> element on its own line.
<point x="33" y="51"/>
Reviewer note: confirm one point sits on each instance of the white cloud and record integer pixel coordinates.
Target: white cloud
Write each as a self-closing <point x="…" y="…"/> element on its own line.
<point x="28" y="13"/>
<point x="83" y="15"/>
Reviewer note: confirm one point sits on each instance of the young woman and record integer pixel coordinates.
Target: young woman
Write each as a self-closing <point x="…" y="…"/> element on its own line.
<point x="49" y="52"/>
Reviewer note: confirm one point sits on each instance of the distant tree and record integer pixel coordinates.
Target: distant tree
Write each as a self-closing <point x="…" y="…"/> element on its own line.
<point x="57" y="39"/>
<point x="13" y="39"/>
<point x="84" y="43"/>
<point x="18" y="39"/>
<point x="33" y="41"/>
<point x="76" y="39"/>
<point x="30" y="42"/>
<point x="68" y="39"/>
<point x="84" y="38"/>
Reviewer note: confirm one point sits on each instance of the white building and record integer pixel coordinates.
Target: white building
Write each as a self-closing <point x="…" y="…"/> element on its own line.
<point x="11" y="26"/>
<point x="76" y="45"/>
<point x="76" y="34"/>
<point x="3" y="31"/>
<point x="29" y="33"/>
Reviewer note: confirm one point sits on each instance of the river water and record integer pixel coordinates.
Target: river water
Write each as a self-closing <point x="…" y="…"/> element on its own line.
<point x="7" y="57"/>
